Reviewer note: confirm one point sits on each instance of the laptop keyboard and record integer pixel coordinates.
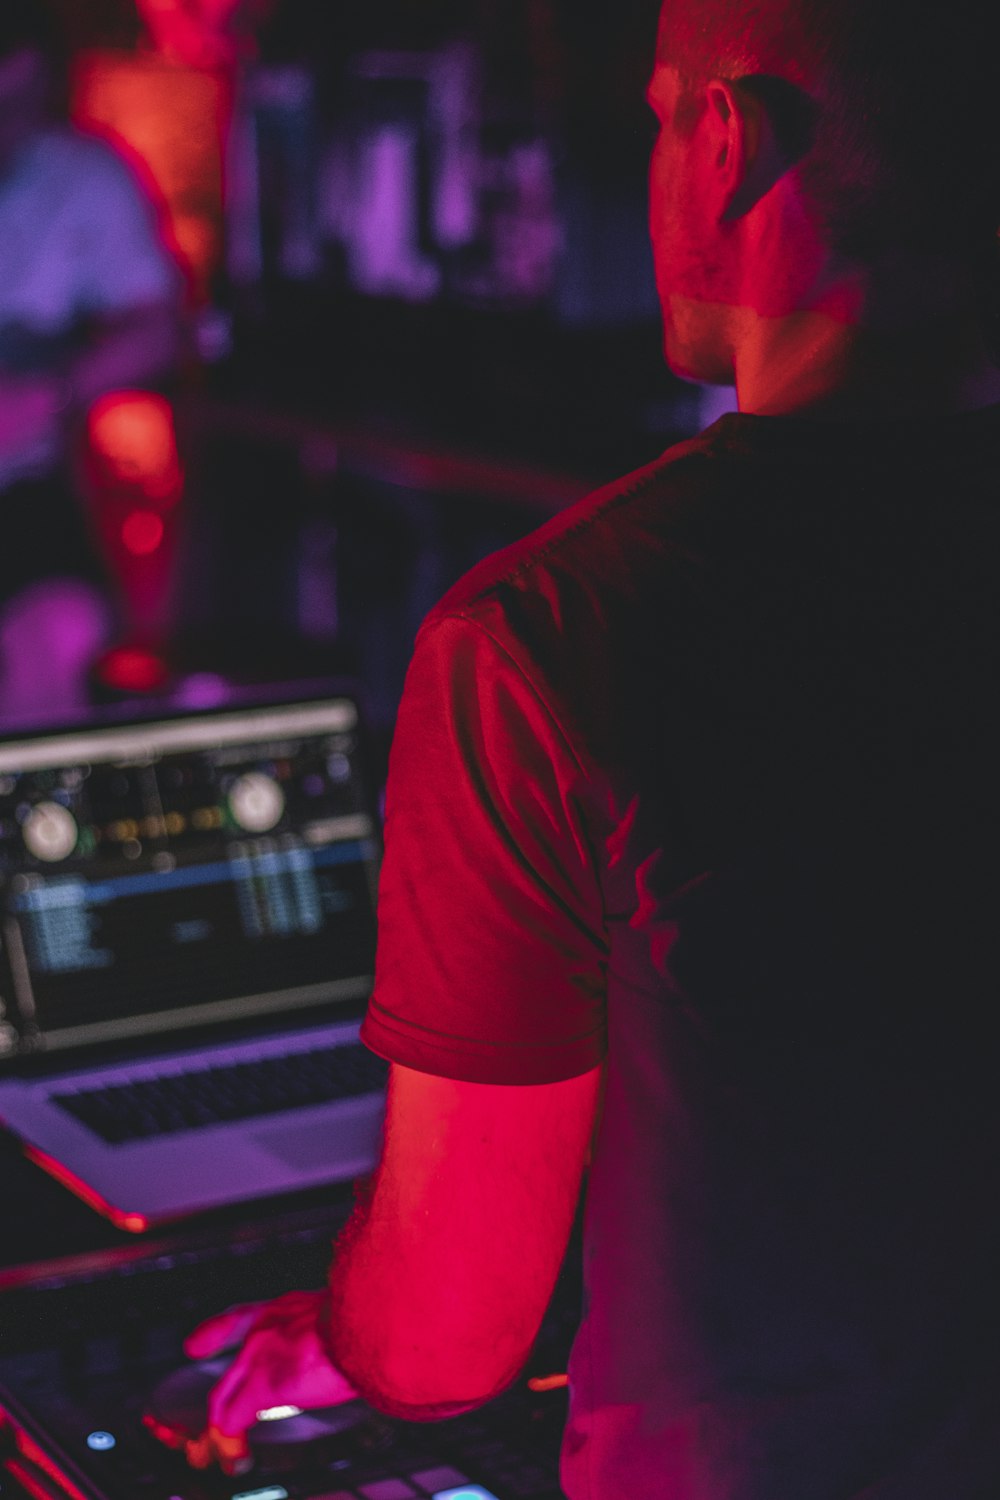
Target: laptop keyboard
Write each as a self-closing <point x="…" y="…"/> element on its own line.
<point x="214" y="1096"/>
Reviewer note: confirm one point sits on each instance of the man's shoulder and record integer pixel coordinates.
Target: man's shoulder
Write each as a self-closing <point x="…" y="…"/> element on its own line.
<point x="599" y="541"/>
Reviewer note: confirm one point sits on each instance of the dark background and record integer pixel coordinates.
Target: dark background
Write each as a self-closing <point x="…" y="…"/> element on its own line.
<point x="350" y="450"/>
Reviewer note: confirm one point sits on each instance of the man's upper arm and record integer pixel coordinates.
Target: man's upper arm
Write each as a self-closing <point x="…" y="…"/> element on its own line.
<point x="492" y="948"/>
<point x="459" y="1250"/>
<point x="489" y="1003"/>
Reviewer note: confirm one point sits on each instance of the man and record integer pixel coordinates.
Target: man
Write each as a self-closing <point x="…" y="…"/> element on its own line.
<point x="89" y="303"/>
<point x="691" y="840"/>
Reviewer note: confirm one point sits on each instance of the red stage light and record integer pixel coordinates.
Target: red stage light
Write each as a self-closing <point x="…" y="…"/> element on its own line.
<point x="201" y="33"/>
<point x="142" y="532"/>
<point x="132" y="435"/>
<point x="170" y="123"/>
<point x="131" y="669"/>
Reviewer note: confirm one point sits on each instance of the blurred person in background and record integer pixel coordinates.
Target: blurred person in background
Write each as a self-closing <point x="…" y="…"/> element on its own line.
<point x="89" y="303"/>
<point x="691" y="884"/>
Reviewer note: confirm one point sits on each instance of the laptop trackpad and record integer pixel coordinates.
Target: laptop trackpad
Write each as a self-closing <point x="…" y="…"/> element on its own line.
<point x="320" y="1144"/>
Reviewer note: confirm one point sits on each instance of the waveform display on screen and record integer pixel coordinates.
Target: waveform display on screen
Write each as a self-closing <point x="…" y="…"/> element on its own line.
<point x="153" y="873"/>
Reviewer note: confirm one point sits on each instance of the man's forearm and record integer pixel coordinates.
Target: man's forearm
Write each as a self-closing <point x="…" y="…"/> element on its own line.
<point x="383" y="1335"/>
<point x="442" y="1277"/>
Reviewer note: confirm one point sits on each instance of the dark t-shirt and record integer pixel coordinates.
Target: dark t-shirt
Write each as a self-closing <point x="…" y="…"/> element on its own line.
<point x="703" y="779"/>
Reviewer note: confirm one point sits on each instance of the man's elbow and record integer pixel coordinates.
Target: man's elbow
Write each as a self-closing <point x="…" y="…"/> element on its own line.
<point x="419" y="1382"/>
<point x="417" y="1403"/>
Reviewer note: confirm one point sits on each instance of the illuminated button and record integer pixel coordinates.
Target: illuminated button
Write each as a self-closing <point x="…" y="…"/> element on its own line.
<point x="257" y="802"/>
<point x="269" y="1492"/>
<point x="50" y="832"/>
<point x="100" y="1441"/>
<point x="467" y="1492"/>
<point x="278" y="1413"/>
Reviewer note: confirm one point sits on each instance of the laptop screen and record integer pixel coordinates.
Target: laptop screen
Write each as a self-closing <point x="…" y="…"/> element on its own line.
<point x="161" y="876"/>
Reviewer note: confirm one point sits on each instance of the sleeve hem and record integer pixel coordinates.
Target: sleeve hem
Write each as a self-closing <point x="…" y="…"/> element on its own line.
<point x="469" y="1061"/>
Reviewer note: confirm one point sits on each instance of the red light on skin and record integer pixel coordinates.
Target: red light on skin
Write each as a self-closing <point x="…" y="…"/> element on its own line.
<point x="142" y="533"/>
<point x="131" y="1223"/>
<point x="540" y="1383"/>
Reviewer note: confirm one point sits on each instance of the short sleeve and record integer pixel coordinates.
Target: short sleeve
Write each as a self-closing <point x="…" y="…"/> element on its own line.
<point x="491" y="961"/>
<point x="123" y="262"/>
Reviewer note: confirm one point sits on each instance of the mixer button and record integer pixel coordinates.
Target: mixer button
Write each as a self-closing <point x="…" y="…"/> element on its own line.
<point x="467" y="1492"/>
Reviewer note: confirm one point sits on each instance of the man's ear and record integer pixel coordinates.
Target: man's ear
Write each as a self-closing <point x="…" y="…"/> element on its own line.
<point x="763" y="125"/>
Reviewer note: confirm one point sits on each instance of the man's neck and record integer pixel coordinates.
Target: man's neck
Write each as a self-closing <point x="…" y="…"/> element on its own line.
<point x="892" y="357"/>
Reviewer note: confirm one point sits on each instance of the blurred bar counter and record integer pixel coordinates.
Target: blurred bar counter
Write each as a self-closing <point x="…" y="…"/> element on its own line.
<point x="349" y="459"/>
<point x="587" y="402"/>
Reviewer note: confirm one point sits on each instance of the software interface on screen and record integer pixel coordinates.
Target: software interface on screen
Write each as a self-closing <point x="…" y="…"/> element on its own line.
<point x="166" y="875"/>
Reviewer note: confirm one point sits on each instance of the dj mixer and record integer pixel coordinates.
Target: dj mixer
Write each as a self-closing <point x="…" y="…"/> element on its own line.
<point x="90" y="1358"/>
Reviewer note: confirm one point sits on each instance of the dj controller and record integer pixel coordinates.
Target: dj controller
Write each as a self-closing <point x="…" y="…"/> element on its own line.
<point x="91" y="1361"/>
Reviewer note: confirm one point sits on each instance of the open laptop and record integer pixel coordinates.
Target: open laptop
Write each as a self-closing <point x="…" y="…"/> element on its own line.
<point x="187" y="932"/>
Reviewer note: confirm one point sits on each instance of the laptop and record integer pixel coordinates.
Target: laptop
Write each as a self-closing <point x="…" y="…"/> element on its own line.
<point x="187" y="935"/>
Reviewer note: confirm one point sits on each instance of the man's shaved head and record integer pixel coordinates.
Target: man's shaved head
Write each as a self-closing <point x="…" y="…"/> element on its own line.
<point x="903" y="147"/>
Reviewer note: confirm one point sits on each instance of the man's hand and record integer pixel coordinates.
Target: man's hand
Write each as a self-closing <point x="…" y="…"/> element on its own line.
<point x="281" y="1362"/>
